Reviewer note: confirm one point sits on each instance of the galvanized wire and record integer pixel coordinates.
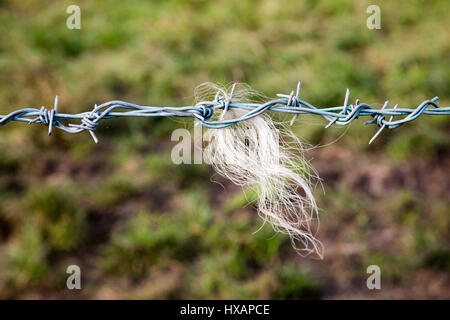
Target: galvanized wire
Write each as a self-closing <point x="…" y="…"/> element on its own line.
<point x="203" y="112"/>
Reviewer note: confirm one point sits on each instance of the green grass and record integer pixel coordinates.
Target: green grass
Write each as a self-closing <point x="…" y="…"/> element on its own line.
<point x="141" y="227"/>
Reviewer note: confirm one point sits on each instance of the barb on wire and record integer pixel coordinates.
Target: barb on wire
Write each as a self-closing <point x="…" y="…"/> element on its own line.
<point x="204" y="111"/>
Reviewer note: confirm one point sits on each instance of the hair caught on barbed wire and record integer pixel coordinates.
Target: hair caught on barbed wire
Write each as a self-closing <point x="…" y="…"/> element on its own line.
<point x="256" y="153"/>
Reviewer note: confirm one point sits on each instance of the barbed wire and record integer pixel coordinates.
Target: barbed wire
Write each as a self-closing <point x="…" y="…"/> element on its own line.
<point x="203" y="112"/>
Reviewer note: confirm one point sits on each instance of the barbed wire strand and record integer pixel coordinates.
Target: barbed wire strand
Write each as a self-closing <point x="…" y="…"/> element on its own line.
<point x="204" y="111"/>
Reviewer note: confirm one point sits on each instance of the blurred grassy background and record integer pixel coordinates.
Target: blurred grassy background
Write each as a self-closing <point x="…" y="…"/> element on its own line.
<point x="142" y="227"/>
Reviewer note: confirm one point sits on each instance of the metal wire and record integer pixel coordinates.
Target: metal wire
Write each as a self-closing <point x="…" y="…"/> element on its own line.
<point x="203" y="112"/>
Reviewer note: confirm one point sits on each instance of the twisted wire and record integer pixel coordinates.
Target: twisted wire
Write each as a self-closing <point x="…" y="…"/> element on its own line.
<point x="204" y="111"/>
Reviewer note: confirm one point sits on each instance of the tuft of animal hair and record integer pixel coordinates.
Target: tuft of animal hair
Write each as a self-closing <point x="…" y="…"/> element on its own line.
<point x="264" y="154"/>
